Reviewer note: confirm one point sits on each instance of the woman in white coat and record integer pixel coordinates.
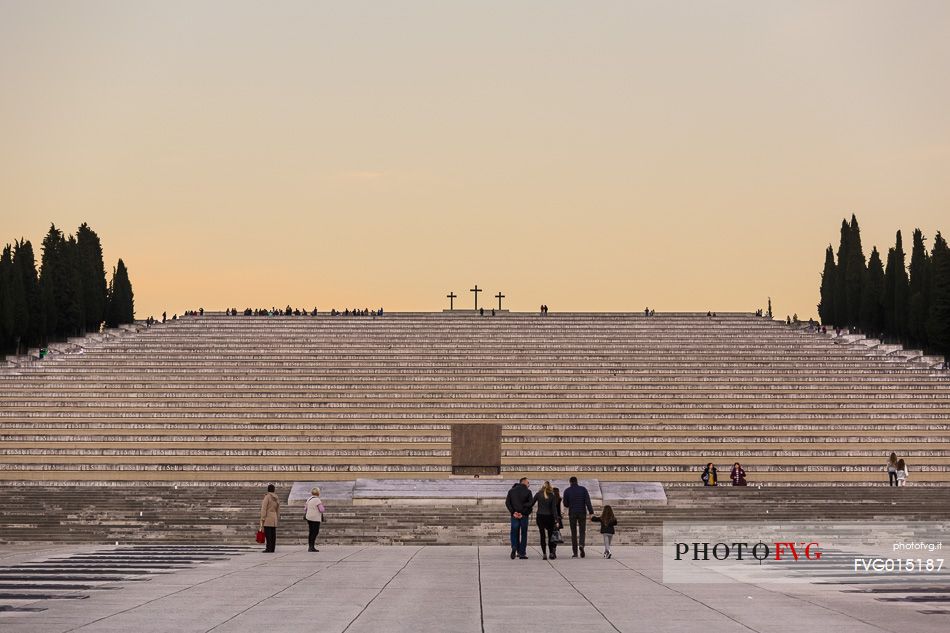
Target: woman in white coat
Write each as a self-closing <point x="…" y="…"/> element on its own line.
<point x="313" y="512"/>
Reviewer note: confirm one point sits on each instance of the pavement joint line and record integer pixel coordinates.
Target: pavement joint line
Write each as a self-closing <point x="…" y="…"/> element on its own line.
<point x="481" y="604"/>
<point x="275" y="594"/>
<point x="382" y="589"/>
<point x="581" y="594"/>
<point x="156" y="599"/>
<point x="685" y="595"/>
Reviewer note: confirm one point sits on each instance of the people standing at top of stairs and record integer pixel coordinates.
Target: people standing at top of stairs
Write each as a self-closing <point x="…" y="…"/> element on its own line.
<point x="270" y="513"/>
<point x="892" y="470"/>
<point x="710" y="475"/>
<point x="548" y="518"/>
<point x="608" y="524"/>
<point x="737" y="475"/>
<point x="313" y="514"/>
<point x="577" y="502"/>
<point x="519" y="502"/>
<point x="901" y="472"/>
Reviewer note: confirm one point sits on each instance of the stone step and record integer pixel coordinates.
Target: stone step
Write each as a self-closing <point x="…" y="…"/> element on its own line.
<point x="678" y="426"/>
<point x="219" y="400"/>
<point x="83" y="514"/>
<point x="790" y="474"/>
<point x="529" y="389"/>
<point x="260" y="478"/>
<point x="499" y="396"/>
<point x="50" y="445"/>
<point x="438" y="460"/>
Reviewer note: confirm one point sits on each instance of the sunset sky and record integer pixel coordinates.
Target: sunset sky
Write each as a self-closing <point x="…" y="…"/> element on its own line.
<point x="587" y="155"/>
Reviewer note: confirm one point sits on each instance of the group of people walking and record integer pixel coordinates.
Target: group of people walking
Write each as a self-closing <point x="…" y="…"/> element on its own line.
<point x="549" y="518"/>
<point x="896" y="471"/>
<point x="520" y="502"/>
<point x="290" y="311"/>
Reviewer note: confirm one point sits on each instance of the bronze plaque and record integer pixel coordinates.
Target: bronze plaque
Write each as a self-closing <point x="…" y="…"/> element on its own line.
<point x="476" y="449"/>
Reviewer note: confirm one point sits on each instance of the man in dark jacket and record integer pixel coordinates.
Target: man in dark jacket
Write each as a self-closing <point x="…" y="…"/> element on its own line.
<point x="577" y="502"/>
<point x="519" y="503"/>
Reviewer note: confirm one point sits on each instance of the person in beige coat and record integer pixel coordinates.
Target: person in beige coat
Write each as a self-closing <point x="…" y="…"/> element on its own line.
<point x="270" y="513"/>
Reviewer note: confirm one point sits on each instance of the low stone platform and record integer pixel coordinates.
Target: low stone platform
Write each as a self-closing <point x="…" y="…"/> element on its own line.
<point x="633" y="492"/>
<point x="464" y="491"/>
<point x="230" y="514"/>
<point x="329" y="490"/>
<point x="356" y="589"/>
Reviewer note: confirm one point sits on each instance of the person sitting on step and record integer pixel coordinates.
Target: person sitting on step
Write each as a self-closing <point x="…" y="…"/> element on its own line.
<point x="710" y="475"/>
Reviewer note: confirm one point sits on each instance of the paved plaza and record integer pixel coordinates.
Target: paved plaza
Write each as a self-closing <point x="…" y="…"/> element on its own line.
<point x="440" y="589"/>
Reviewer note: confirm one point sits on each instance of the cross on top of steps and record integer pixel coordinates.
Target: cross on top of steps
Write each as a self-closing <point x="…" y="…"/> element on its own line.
<point x="476" y="290"/>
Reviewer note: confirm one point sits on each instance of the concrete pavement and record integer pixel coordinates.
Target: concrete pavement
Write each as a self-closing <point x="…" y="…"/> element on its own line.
<point x="447" y="589"/>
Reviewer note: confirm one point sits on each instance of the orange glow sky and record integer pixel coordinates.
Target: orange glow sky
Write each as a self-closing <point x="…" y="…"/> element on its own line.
<point x="591" y="156"/>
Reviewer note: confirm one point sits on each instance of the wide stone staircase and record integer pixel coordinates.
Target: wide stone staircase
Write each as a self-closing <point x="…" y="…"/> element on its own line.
<point x="230" y="514"/>
<point x="234" y="400"/>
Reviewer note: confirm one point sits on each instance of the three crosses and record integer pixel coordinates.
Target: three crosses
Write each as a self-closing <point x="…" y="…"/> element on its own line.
<point x="452" y="296"/>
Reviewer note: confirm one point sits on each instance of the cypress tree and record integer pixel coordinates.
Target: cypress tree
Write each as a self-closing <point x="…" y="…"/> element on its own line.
<point x="841" y="293"/>
<point x="71" y="294"/>
<point x="93" y="276"/>
<point x="887" y="301"/>
<point x="121" y="299"/>
<point x="919" y="290"/>
<point x="938" y="320"/>
<point x="66" y="297"/>
<point x="872" y="297"/>
<point x="829" y="280"/>
<point x="6" y="300"/>
<point x="896" y="290"/>
<point x="60" y="285"/>
<point x="50" y="277"/>
<point x="13" y="310"/>
<point x="21" y="314"/>
<point x="25" y="263"/>
<point x="855" y="272"/>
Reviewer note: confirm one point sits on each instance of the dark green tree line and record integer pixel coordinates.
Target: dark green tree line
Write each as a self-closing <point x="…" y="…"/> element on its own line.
<point x="68" y="294"/>
<point x="890" y="299"/>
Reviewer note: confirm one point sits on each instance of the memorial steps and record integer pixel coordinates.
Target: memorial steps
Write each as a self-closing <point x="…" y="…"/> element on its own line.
<point x="229" y="515"/>
<point x="617" y="396"/>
